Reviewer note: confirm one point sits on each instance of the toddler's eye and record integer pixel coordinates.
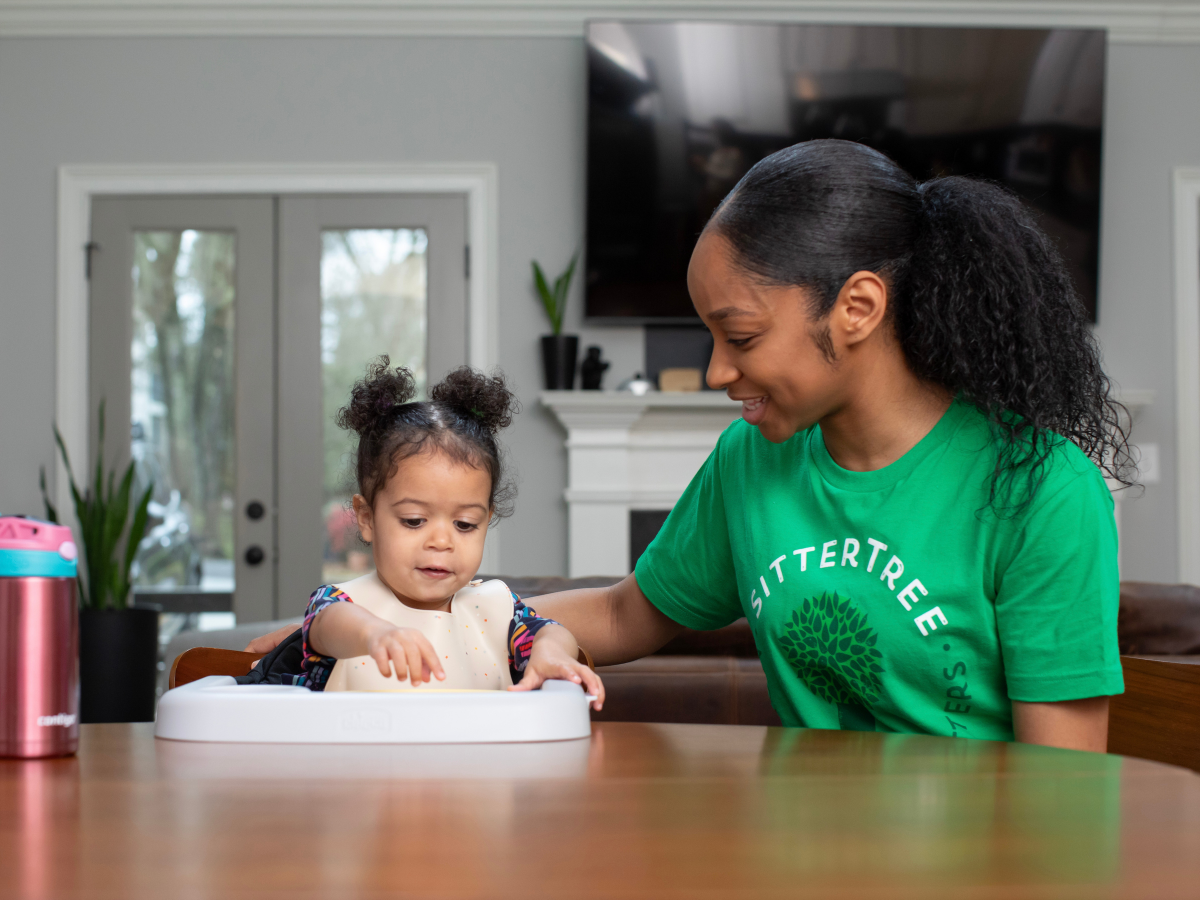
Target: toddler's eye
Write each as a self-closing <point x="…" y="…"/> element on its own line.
<point x="466" y="526"/>
<point x="413" y="523"/>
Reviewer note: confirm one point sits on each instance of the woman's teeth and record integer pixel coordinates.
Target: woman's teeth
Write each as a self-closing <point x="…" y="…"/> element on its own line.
<point x="754" y="409"/>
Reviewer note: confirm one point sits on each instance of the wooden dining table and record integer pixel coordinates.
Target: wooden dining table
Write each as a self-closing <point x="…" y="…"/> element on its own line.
<point x="637" y="810"/>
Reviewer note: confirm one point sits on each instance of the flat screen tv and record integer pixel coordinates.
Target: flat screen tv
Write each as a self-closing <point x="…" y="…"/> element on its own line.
<point x="679" y="111"/>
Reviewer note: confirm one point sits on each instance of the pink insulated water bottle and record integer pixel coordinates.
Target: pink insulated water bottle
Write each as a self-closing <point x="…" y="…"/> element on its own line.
<point x="39" y="639"/>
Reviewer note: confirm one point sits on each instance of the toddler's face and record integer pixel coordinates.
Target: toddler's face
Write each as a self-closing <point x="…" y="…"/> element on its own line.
<point x="427" y="528"/>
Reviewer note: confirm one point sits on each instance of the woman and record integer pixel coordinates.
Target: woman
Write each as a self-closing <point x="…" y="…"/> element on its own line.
<point x="911" y="515"/>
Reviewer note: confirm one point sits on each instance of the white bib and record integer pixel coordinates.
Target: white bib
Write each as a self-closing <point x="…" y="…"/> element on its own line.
<point x="471" y="639"/>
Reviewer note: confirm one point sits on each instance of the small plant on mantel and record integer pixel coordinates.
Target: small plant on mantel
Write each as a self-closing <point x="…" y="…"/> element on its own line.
<point x="559" y="351"/>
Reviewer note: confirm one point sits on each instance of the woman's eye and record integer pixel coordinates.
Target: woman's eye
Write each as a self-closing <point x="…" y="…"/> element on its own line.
<point x="737" y="342"/>
<point x="466" y="526"/>
<point x="413" y="523"/>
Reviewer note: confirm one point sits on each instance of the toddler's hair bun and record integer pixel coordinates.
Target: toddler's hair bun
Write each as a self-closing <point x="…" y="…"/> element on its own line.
<point x="372" y="397"/>
<point x="474" y="394"/>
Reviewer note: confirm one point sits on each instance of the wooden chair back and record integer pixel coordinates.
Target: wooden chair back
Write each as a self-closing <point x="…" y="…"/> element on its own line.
<point x="196" y="663"/>
<point x="1158" y="716"/>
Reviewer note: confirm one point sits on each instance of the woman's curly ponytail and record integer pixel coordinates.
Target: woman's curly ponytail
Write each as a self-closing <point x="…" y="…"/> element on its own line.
<point x="987" y="309"/>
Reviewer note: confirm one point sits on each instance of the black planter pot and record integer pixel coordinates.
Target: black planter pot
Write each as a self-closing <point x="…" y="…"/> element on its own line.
<point x="118" y="662"/>
<point x="559" y="354"/>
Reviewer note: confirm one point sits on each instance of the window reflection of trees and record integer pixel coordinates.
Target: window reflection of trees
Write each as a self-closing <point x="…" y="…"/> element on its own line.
<point x="373" y="301"/>
<point x="182" y="403"/>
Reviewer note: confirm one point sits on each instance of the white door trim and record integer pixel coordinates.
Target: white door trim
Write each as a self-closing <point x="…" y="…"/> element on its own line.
<point x="78" y="184"/>
<point x="1187" y="367"/>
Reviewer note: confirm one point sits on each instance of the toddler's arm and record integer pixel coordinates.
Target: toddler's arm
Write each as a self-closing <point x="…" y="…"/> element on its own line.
<point x="555" y="655"/>
<point x="343" y="630"/>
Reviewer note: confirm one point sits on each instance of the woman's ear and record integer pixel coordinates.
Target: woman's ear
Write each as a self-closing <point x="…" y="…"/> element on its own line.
<point x="365" y="517"/>
<point x="860" y="307"/>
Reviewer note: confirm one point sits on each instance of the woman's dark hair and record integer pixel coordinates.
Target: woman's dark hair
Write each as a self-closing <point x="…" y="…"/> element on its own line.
<point x="461" y="419"/>
<point x="979" y="297"/>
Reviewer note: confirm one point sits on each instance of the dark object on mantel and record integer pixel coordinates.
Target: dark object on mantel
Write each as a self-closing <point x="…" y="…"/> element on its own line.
<point x="559" y="355"/>
<point x="1158" y="618"/>
<point x="592" y="369"/>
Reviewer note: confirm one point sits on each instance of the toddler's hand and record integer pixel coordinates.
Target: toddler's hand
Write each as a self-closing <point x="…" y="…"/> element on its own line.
<point x="406" y="650"/>
<point x="547" y="661"/>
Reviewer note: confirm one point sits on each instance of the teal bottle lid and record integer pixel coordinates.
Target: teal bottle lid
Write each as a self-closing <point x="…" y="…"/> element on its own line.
<point x="31" y="548"/>
<point x="34" y="564"/>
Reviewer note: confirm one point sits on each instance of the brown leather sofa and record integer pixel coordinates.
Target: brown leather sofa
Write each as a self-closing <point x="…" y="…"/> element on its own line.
<point x="715" y="677"/>
<point x="1159" y="619"/>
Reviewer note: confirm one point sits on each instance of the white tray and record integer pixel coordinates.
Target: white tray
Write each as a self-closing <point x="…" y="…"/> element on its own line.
<point x="217" y="708"/>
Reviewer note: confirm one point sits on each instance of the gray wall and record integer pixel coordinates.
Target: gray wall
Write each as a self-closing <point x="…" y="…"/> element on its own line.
<point x="518" y="102"/>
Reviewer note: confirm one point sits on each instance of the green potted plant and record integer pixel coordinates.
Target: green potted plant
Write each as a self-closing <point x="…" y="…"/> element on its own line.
<point x="559" y="351"/>
<point x="118" y="643"/>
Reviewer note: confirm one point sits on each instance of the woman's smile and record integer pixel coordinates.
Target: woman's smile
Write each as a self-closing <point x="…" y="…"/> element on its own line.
<point x="754" y="409"/>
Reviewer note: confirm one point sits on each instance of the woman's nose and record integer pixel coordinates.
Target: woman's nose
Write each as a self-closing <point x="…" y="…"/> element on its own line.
<point x="721" y="371"/>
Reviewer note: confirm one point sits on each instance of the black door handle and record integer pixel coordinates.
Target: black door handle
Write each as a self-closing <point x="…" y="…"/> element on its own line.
<point x="255" y="510"/>
<point x="255" y="555"/>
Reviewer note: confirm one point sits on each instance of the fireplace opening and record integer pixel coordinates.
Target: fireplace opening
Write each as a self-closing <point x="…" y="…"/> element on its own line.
<point x="643" y="526"/>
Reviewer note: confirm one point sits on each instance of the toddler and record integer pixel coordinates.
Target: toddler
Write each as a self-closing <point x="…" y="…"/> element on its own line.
<point x="430" y="481"/>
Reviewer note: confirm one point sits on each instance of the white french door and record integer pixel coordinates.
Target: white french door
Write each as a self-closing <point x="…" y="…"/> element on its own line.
<point x="389" y="277"/>
<point x="224" y="333"/>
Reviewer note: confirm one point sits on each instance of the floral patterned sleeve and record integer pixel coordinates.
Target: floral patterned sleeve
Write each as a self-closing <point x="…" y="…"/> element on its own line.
<point x="315" y="668"/>
<point x="524" y="626"/>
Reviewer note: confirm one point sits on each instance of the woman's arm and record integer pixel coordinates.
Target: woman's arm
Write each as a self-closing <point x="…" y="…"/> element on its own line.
<point x="1071" y="724"/>
<point x="614" y="624"/>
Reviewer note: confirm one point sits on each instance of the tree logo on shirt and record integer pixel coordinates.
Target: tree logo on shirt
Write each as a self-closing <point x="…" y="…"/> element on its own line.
<point x="832" y="649"/>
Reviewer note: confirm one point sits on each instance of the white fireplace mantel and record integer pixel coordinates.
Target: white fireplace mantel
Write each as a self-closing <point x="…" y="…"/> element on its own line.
<point x="626" y="453"/>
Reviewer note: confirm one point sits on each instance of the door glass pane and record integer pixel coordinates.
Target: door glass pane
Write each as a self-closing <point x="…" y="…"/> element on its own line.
<point x="373" y="301"/>
<point x="182" y="410"/>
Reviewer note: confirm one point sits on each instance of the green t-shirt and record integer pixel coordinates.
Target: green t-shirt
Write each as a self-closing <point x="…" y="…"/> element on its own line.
<point x="898" y="599"/>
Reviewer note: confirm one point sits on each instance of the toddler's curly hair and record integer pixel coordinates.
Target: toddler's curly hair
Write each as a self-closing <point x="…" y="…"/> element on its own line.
<point x="461" y="418"/>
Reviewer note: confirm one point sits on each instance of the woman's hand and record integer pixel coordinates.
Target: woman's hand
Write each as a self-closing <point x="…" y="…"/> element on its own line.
<point x="269" y="642"/>
<point x="404" y="649"/>
<point x="554" y="656"/>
